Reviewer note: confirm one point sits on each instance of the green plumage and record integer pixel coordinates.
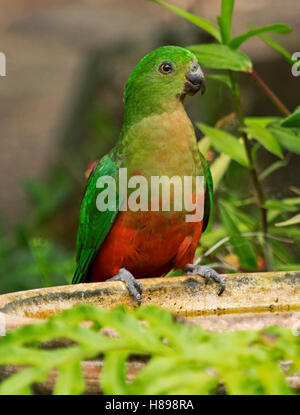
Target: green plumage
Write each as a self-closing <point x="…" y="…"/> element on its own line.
<point x="93" y="225"/>
<point x="209" y="190"/>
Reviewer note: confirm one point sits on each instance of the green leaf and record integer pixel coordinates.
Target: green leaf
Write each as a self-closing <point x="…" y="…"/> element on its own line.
<point x="293" y="120"/>
<point x="70" y="380"/>
<point x="221" y="57"/>
<point x="262" y="121"/>
<point x="218" y="168"/>
<point x="225" y="143"/>
<point x="236" y="42"/>
<point x="204" y="145"/>
<point x="291" y="201"/>
<point x="276" y="46"/>
<point x="287" y="267"/>
<point x="19" y="384"/>
<point x="244" y="219"/>
<point x="289" y="232"/>
<point x="288" y="138"/>
<point x="242" y="247"/>
<point x="113" y="376"/>
<point x="292" y="221"/>
<point x="196" y="20"/>
<point x="280" y="205"/>
<point x="277" y="207"/>
<point x="265" y="138"/>
<point x="272" y="379"/>
<point x="280" y="252"/>
<point x="225" y="20"/>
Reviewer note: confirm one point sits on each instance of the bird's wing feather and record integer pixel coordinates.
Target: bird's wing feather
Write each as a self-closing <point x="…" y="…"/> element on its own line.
<point x="93" y="225"/>
<point x="208" y="198"/>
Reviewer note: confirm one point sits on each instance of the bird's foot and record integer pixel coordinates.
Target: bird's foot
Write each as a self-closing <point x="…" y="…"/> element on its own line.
<point x="134" y="287"/>
<point x="207" y="273"/>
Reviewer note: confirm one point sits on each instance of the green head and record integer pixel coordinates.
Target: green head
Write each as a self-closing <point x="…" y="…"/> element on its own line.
<point x="160" y="81"/>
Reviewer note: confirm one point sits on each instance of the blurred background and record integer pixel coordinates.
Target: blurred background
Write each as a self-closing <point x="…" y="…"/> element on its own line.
<point x="61" y="108"/>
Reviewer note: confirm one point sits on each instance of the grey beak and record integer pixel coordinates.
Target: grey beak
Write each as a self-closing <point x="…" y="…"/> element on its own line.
<point x="195" y="78"/>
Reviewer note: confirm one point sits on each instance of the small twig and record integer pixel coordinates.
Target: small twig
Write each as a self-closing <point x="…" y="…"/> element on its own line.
<point x="277" y="238"/>
<point x="253" y="170"/>
<point x="270" y="94"/>
<point x="222" y="122"/>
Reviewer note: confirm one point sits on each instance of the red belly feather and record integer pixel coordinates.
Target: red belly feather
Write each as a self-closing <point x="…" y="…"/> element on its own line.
<point x="148" y="244"/>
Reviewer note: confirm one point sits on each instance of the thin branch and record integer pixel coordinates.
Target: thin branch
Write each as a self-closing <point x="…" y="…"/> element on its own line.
<point x="270" y="94"/>
<point x="223" y="122"/>
<point x="253" y="171"/>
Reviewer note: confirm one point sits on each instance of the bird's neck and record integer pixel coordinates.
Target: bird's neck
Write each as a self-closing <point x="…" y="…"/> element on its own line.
<point x="140" y="106"/>
<point x="159" y="144"/>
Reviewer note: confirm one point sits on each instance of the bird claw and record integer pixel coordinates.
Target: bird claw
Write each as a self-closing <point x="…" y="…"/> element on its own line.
<point x="207" y="273"/>
<point x="134" y="287"/>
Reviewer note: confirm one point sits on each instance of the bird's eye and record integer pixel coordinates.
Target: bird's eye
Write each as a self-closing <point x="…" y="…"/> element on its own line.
<point x="166" y="68"/>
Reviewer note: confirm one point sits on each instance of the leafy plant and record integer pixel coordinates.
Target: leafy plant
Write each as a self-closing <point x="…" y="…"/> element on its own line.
<point x="34" y="264"/>
<point x="278" y="135"/>
<point x="182" y="359"/>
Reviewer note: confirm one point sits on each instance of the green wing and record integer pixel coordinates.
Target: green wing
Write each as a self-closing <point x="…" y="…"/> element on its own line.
<point x="209" y="189"/>
<point x="93" y="225"/>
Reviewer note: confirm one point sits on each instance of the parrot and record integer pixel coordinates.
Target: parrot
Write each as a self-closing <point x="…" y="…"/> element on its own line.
<point x="157" y="138"/>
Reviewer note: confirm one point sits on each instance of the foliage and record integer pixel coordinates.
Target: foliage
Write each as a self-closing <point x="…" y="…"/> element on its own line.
<point x="33" y="264"/>
<point x="253" y="235"/>
<point x="182" y="359"/>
